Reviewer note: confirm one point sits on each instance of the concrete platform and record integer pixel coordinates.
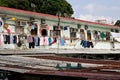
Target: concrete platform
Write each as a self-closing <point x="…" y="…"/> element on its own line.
<point x="58" y="51"/>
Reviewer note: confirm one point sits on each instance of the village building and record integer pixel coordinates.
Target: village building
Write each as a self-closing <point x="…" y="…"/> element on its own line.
<point x="20" y="29"/>
<point x="36" y="30"/>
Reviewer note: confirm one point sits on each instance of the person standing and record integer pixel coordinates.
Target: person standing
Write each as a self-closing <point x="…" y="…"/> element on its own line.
<point x="112" y="42"/>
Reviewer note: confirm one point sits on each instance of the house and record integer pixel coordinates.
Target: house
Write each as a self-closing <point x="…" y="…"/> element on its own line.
<point x="51" y="31"/>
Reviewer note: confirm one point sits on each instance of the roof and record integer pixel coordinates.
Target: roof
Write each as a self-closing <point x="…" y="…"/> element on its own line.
<point x="45" y="65"/>
<point x="25" y="12"/>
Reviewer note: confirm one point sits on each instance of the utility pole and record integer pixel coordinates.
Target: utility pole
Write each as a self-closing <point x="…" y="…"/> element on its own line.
<point x="58" y="14"/>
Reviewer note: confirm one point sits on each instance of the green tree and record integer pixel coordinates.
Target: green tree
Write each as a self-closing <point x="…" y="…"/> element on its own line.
<point x="4" y="3"/>
<point x="117" y="23"/>
<point x="42" y="6"/>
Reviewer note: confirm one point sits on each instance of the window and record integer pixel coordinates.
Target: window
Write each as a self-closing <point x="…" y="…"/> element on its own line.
<point x="86" y="27"/>
<point x="55" y="33"/>
<point x="34" y="31"/>
<point x="81" y="30"/>
<point x="78" y="26"/>
<point x="19" y="30"/>
<point x="43" y="21"/>
<point x="21" y="23"/>
<point x="107" y="35"/>
<point x="61" y="27"/>
<point x="112" y="30"/>
<point x="73" y="30"/>
<point x="73" y="34"/>
<point x="82" y="34"/>
<point x="44" y="32"/>
<point x="56" y="28"/>
<point x="117" y="31"/>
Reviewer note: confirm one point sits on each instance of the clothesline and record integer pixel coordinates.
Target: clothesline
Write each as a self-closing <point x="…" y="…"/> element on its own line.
<point x="7" y="33"/>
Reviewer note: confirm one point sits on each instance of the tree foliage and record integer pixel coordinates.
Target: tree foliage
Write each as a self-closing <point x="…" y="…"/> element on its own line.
<point x="117" y="23"/>
<point x="42" y="6"/>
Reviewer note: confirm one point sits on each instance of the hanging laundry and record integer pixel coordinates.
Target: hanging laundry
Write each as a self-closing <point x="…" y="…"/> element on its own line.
<point x="5" y="25"/>
<point x="19" y="43"/>
<point x="82" y="36"/>
<point x="91" y="44"/>
<point x="4" y="38"/>
<point x="15" y="39"/>
<point x="0" y="23"/>
<point x="8" y="39"/>
<point x="36" y="40"/>
<point x="41" y="30"/>
<point x="43" y="40"/>
<point x="0" y="39"/>
<point x="36" y="26"/>
<point x="33" y="43"/>
<point x="54" y="40"/>
<point x="29" y="39"/>
<point x="96" y="33"/>
<point x="33" y="27"/>
<point x="11" y="39"/>
<point x="70" y="42"/>
<point x="102" y="35"/>
<point x="65" y="28"/>
<point x="52" y="33"/>
<point x="49" y="41"/>
<point x="29" y="28"/>
<point x="62" y="41"/>
<point x="88" y="44"/>
<point x="84" y="43"/>
<point x="8" y="30"/>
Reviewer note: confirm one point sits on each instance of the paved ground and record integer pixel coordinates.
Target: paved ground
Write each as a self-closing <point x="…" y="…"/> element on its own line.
<point x="60" y="51"/>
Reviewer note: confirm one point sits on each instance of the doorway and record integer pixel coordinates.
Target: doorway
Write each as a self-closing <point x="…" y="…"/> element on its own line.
<point x="44" y="32"/>
<point x="88" y="35"/>
<point x="82" y="34"/>
<point x="19" y="30"/>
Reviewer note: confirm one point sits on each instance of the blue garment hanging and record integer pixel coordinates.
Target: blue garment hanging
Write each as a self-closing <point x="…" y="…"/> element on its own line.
<point x="36" y="40"/>
<point x="49" y="41"/>
<point x="11" y="39"/>
<point x="65" y="28"/>
<point x="62" y="41"/>
<point x="33" y="27"/>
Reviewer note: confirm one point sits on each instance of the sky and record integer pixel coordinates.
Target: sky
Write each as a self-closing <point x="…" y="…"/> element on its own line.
<point x="92" y="10"/>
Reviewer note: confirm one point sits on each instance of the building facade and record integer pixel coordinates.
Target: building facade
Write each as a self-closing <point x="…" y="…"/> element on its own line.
<point x="20" y="28"/>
